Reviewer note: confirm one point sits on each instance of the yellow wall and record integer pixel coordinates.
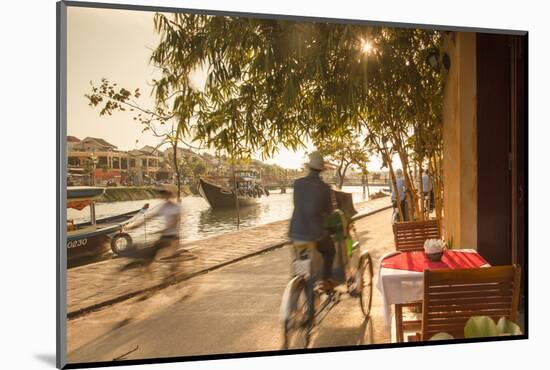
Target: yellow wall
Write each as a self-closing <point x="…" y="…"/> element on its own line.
<point x="460" y="141"/>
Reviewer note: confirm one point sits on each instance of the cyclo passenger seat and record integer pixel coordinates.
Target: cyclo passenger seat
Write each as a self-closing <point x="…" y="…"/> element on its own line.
<point x="301" y="246"/>
<point x="303" y="257"/>
<point x="302" y="249"/>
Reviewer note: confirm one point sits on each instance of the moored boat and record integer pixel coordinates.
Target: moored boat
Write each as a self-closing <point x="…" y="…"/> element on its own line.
<point x="248" y="191"/>
<point x="90" y="239"/>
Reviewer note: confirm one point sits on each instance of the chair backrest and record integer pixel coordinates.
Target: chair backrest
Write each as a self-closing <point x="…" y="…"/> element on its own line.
<point x="411" y="235"/>
<point x="451" y="297"/>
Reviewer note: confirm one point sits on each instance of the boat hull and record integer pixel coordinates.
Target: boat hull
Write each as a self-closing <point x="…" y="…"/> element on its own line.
<point x="88" y="242"/>
<point x="220" y="198"/>
<point x="84" y="249"/>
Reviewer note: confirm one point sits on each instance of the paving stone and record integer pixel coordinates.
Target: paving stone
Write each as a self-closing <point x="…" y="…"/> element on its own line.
<point x="101" y="282"/>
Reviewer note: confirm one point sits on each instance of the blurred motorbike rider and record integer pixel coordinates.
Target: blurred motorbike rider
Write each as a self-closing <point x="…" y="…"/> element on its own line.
<point x="170" y="211"/>
<point x="312" y="205"/>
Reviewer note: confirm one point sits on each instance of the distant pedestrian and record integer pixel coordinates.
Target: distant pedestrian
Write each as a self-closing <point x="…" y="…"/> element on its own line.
<point x="427" y="189"/>
<point x="401" y="196"/>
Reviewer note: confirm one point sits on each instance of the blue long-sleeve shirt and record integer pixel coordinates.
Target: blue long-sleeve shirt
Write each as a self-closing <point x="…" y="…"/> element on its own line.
<point x="426" y="183"/>
<point x="312" y="204"/>
<point x="400" y="182"/>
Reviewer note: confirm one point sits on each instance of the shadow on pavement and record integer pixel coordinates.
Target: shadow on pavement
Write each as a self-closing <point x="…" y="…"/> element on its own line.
<point x="349" y="336"/>
<point x="362" y="236"/>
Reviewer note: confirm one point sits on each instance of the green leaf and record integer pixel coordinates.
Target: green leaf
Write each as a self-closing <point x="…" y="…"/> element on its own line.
<point x="508" y="327"/>
<point x="442" y="336"/>
<point x="479" y="327"/>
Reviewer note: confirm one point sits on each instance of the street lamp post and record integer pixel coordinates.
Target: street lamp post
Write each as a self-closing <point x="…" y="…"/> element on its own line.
<point x="94" y="164"/>
<point x="363" y="183"/>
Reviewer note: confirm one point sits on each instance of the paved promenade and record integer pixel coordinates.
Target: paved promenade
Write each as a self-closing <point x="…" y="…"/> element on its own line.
<point x="97" y="285"/>
<point x="229" y="310"/>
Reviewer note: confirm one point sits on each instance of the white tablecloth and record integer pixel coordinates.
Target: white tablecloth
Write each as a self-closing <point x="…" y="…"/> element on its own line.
<point x="401" y="286"/>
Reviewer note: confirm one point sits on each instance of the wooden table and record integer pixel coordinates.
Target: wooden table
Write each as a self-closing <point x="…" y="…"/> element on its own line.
<point x="404" y="285"/>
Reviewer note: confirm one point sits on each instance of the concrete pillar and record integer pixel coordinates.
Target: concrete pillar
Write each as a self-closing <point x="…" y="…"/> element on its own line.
<point x="460" y="141"/>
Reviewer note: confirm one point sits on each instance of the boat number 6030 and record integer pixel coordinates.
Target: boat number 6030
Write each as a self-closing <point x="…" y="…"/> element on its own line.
<point x="77" y="243"/>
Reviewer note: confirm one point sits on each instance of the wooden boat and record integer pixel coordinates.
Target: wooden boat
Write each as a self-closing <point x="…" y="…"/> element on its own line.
<point x="90" y="239"/>
<point x="249" y="191"/>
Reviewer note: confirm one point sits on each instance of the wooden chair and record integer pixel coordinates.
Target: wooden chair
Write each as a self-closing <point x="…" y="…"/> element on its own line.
<point x="410" y="236"/>
<point x="451" y="297"/>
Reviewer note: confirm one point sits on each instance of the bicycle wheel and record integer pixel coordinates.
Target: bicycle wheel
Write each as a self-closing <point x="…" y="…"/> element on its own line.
<point x="365" y="284"/>
<point x="297" y="321"/>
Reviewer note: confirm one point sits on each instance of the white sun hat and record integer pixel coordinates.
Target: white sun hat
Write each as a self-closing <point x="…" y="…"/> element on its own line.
<point x="316" y="161"/>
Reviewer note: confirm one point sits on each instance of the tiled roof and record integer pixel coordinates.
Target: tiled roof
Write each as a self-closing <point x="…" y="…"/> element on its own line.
<point x="101" y="141"/>
<point x="149" y="150"/>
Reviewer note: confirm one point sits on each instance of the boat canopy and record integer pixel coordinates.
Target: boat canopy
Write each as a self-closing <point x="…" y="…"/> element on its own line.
<point x="246" y="178"/>
<point x="79" y="197"/>
<point x="246" y="173"/>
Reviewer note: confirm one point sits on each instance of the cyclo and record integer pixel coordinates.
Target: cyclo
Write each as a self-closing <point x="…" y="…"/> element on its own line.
<point x="305" y="304"/>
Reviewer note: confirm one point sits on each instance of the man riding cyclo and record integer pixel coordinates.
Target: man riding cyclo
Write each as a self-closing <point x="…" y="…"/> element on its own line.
<point x="312" y="208"/>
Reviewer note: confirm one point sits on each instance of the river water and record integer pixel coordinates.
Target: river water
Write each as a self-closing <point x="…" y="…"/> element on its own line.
<point x="199" y="221"/>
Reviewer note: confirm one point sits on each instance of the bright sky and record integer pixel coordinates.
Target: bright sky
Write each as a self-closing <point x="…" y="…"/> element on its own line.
<point x="117" y="44"/>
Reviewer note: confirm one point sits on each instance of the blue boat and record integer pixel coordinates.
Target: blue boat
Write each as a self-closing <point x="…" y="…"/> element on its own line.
<point x="90" y="240"/>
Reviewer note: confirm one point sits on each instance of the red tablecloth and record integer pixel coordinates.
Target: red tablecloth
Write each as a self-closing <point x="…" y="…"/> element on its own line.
<point x="417" y="261"/>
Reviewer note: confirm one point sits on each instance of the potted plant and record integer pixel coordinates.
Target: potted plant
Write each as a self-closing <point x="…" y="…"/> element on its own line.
<point x="433" y="249"/>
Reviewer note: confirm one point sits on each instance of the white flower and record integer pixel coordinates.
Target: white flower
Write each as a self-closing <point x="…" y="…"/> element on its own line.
<point x="433" y="246"/>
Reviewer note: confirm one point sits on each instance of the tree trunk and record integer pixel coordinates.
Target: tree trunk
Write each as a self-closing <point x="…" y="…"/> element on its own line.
<point x="403" y="156"/>
<point x="396" y="191"/>
<point x="176" y="168"/>
<point x="363" y="185"/>
<point x="409" y="184"/>
<point x="437" y="187"/>
<point x="440" y="190"/>
<point x="397" y="198"/>
<point x="235" y="192"/>
<point x="339" y="175"/>
<point x="342" y="175"/>
<point x="382" y="149"/>
<point x="421" y="189"/>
